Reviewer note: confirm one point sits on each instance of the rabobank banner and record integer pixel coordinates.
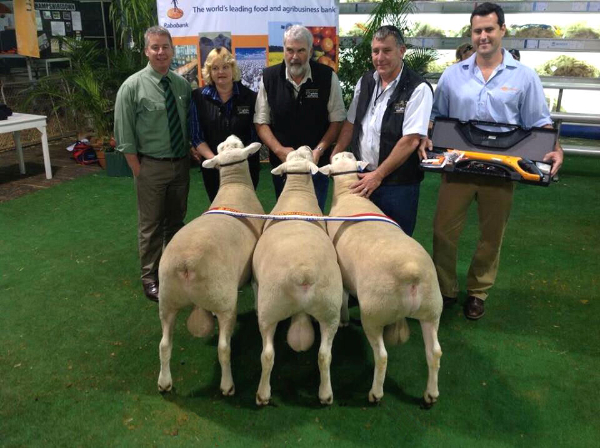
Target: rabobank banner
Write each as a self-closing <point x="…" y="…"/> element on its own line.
<point x="251" y="29"/>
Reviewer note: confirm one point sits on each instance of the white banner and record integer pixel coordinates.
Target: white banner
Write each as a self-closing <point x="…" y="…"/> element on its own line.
<point x="251" y="29"/>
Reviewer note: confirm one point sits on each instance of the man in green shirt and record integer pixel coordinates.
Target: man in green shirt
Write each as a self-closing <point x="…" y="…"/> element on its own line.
<point x="151" y="131"/>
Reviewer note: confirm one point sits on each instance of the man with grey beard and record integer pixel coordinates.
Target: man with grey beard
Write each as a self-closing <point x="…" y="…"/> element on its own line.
<point x="299" y="103"/>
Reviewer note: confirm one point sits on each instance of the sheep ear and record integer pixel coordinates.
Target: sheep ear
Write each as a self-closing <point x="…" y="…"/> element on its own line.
<point x="314" y="169"/>
<point x="361" y="164"/>
<point x="325" y="170"/>
<point x="253" y="147"/>
<point x="279" y="170"/>
<point x="211" y="163"/>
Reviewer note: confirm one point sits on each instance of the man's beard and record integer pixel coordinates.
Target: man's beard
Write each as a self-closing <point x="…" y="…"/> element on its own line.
<point x="296" y="70"/>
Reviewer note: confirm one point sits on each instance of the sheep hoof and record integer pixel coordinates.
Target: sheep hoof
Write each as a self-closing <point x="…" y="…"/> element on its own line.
<point x="261" y="401"/>
<point x="375" y="399"/>
<point x="165" y="389"/>
<point x="344" y="324"/>
<point x="428" y="401"/>
<point x="326" y="401"/>
<point x="228" y="392"/>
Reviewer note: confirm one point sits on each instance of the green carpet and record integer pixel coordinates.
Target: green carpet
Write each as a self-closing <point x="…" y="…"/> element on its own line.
<point x="79" y="342"/>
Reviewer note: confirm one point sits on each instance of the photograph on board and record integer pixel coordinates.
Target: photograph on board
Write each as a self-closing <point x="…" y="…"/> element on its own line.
<point x="251" y="62"/>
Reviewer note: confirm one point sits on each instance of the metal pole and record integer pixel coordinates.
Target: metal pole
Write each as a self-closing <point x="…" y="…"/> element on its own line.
<point x="105" y="36"/>
<point x="582" y="150"/>
<point x="558" y="101"/>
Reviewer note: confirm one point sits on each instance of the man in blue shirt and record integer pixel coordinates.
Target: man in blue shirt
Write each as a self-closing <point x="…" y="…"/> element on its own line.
<point x="488" y="86"/>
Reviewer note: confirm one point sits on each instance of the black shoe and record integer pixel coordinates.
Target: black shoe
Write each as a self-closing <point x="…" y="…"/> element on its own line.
<point x="448" y="301"/>
<point x="151" y="291"/>
<point x="474" y="308"/>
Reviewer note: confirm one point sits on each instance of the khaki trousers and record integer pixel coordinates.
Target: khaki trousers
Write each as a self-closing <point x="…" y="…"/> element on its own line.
<point x="494" y="198"/>
<point x="162" y="192"/>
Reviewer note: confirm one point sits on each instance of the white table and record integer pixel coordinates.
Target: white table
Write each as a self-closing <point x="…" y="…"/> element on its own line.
<point x="18" y="122"/>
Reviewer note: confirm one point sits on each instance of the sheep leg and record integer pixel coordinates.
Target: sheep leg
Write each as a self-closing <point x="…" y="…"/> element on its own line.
<point x="345" y="314"/>
<point x="433" y="352"/>
<point x="255" y="291"/>
<point x="328" y="331"/>
<point x="375" y="337"/>
<point x="267" y="359"/>
<point x="167" y="322"/>
<point x="226" y="323"/>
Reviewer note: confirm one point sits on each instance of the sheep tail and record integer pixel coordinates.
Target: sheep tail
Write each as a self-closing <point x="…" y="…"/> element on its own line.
<point x="301" y="333"/>
<point x="200" y="323"/>
<point x="185" y="271"/>
<point x="303" y="277"/>
<point x="396" y="333"/>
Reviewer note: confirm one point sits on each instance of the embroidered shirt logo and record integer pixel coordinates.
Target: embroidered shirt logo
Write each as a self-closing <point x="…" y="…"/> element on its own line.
<point x="509" y="89"/>
<point x="312" y="94"/>
<point x="399" y="107"/>
<point x="243" y="110"/>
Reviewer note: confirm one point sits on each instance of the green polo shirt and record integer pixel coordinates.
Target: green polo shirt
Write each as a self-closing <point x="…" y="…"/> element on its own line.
<point x="141" y="123"/>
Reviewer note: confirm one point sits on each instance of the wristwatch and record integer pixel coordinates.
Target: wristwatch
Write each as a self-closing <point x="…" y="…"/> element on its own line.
<point x="319" y="148"/>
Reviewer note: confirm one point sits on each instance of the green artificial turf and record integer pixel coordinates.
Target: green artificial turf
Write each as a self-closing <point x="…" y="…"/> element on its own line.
<point x="79" y="342"/>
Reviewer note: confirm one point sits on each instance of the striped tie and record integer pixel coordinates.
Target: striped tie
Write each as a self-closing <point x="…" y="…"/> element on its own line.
<point x="174" y="123"/>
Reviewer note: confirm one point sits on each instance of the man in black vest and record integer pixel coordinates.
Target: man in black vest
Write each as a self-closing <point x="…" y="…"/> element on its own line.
<point x="386" y="120"/>
<point x="299" y="103"/>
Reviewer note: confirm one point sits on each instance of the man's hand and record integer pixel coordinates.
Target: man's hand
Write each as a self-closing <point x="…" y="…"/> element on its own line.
<point x="316" y="155"/>
<point x="556" y="158"/>
<point x="283" y="151"/>
<point x="424" y="145"/>
<point x="368" y="183"/>
<point x="133" y="161"/>
<point x="196" y="154"/>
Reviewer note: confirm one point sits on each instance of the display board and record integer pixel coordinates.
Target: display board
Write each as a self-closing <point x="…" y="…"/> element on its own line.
<point x="54" y="20"/>
<point x="251" y="29"/>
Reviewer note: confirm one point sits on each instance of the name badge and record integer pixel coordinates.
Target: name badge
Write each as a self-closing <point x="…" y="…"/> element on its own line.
<point x="243" y="110"/>
<point x="312" y="94"/>
<point x="399" y="107"/>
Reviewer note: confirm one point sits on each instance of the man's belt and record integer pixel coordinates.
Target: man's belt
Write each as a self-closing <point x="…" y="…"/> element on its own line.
<point x="164" y="159"/>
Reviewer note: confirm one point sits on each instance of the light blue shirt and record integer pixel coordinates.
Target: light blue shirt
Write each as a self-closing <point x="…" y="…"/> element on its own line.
<point x="513" y="94"/>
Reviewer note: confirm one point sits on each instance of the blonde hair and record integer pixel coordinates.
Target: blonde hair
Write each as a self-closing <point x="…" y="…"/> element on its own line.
<point x="227" y="58"/>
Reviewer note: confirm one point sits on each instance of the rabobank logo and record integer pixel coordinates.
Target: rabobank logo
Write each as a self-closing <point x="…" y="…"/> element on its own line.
<point x="175" y="12"/>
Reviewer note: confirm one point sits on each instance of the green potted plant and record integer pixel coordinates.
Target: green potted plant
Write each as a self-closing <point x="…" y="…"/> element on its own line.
<point x="85" y="94"/>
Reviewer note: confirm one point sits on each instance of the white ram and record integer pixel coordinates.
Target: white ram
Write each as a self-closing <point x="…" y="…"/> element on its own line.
<point x="296" y="273"/>
<point x="391" y="274"/>
<point x="208" y="260"/>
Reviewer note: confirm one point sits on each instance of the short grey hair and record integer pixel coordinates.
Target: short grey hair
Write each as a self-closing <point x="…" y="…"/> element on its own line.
<point x="383" y="32"/>
<point x="156" y="31"/>
<point x="298" y="33"/>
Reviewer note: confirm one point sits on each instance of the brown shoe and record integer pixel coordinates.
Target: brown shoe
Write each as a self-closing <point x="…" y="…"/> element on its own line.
<point x="151" y="291"/>
<point x="474" y="308"/>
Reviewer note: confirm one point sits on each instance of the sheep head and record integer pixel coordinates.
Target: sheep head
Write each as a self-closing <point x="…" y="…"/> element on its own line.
<point x="303" y="152"/>
<point x="300" y="160"/>
<point x="230" y="151"/>
<point x="343" y="161"/>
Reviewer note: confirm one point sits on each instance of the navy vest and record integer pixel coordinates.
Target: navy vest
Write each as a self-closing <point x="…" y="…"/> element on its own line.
<point x="217" y="126"/>
<point x="391" y="127"/>
<point x="303" y="120"/>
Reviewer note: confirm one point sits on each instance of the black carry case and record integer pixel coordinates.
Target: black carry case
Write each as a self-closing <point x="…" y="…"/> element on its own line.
<point x="492" y="149"/>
